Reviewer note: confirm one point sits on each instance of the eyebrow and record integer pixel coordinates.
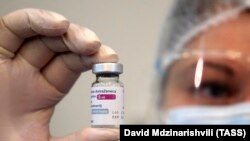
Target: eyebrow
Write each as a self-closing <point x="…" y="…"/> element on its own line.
<point x="221" y="67"/>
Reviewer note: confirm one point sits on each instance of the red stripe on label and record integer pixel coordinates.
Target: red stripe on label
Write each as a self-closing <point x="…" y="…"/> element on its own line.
<point x="106" y="96"/>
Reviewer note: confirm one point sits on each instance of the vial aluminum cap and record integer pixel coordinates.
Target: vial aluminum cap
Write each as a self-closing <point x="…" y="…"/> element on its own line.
<point x="101" y="68"/>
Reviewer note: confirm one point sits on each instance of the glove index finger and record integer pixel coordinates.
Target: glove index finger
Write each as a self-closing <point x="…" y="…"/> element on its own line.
<point x="25" y="23"/>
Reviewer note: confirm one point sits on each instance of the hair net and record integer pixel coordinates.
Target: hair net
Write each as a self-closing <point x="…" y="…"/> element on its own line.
<point x="186" y="19"/>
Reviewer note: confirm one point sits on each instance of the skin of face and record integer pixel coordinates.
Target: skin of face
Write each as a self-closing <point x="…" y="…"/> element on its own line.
<point x="224" y="81"/>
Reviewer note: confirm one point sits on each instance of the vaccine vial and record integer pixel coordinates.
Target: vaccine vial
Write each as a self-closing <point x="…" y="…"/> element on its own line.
<point x="107" y="96"/>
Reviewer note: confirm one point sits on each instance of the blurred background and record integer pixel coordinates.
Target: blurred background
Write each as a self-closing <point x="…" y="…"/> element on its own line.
<point x="132" y="29"/>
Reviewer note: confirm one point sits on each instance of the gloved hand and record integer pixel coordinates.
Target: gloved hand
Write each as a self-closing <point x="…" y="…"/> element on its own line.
<point x="41" y="56"/>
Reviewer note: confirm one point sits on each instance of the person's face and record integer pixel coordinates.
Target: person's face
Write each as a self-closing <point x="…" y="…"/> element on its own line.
<point x="223" y="80"/>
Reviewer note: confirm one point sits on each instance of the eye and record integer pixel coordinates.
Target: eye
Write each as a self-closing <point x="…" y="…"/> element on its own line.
<point x="213" y="90"/>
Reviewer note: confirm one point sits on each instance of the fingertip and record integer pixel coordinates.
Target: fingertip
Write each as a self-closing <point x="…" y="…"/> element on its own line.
<point x="81" y="40"/>
<point x="104" y="55"/>
<point x="92" y="42"/>
<point x="91" y="48"/>
<point x="109" y="54"/>
<point x="91" y="35"/>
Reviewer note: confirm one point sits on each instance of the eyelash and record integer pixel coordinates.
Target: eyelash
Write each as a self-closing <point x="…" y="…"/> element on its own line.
<point x="213" y="90"/>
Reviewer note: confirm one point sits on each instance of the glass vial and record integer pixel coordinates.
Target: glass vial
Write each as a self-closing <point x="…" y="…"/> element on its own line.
<point x="107" y="96"/>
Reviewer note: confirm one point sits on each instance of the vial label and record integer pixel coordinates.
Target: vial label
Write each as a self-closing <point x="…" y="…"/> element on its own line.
<point x="107" y="105"/>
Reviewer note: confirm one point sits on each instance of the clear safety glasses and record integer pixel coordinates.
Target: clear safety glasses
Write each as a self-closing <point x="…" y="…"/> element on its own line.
<point x="208" y="77"/>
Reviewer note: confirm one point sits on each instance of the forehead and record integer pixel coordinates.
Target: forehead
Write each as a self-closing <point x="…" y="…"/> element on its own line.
<point x="230" y="35"/>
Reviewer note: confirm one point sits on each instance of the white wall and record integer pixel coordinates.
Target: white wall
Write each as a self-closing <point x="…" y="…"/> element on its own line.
<point x="132" y="28"/>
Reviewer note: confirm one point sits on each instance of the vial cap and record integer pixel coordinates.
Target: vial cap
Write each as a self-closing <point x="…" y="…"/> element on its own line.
<point x="101" y="68"/>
